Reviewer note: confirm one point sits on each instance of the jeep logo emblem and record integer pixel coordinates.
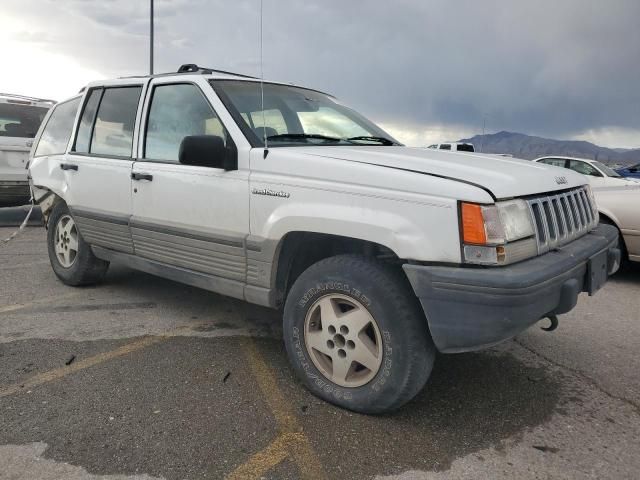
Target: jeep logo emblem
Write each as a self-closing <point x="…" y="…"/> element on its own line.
<point x="561" y="180"/>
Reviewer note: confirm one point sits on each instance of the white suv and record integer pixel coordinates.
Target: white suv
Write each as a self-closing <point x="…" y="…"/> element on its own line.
<point x="380" y="255"/>
<point x="20" y="118"/>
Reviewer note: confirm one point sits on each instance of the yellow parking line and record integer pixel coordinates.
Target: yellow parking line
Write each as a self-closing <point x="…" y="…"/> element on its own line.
<point x="267" y="458"/>
<point x="61" y="372"/>
<point x="58" y="373"/>
<point x="39" y="301"/>
<point x="291" y="436"/>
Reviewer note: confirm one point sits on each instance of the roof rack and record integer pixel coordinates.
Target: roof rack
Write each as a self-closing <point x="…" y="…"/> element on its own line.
<point x="193" y="68"/>
<point x="25" y="97"/>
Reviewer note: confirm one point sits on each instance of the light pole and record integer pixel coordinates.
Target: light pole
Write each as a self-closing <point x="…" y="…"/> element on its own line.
<point x="484" y="122"/>
<point x="151" y="40"/>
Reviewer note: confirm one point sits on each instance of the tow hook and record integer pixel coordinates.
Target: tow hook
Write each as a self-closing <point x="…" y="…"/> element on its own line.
<point x="553" y="325"/>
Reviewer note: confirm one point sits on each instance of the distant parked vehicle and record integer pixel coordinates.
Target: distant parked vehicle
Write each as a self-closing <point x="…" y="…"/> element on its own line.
<point x="598" y="173"/>
<point x="632" y="172"/>
<point x="454" y="147"/>
<point x="20" y="118"/>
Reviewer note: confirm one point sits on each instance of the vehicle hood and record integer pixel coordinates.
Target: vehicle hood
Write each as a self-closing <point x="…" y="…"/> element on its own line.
<point x="503" y="177"/>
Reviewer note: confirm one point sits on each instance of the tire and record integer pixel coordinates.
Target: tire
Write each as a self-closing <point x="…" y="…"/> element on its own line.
<point x="71" y="257"/>
<point x="343" y="292"/>
<point x="624" y="254"/>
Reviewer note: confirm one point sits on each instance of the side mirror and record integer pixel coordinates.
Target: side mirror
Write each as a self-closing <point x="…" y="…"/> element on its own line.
<point x="208" y="151"/>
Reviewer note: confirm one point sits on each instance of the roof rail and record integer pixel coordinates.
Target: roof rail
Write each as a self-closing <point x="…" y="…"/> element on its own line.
<point x="25" y="97"/>
<point x="193" y="68"/>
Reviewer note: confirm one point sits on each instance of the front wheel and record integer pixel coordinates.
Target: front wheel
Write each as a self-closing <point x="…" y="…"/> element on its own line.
<point x="356" y="335"/>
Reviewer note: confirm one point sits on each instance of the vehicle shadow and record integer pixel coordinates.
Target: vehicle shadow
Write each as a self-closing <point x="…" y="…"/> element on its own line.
<point x="471" y="402"/>
<point x="629" y="273"/>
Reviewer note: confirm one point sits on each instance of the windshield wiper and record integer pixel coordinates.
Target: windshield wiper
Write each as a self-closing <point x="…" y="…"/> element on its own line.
<point x="382" y="140"/>
<point x="303" y="136"/>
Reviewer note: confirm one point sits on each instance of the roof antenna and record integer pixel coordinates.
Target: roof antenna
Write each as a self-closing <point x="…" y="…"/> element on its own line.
<point x="264" y="124"/>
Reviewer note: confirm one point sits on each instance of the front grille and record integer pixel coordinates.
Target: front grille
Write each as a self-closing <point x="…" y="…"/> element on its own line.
<point x="562" y="217"/>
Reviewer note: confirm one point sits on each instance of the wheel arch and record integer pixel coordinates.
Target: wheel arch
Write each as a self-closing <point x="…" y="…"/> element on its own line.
<point x="298" y="250"/>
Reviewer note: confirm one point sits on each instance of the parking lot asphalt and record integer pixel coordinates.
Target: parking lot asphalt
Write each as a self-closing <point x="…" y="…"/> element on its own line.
<point x="142" y="378"/>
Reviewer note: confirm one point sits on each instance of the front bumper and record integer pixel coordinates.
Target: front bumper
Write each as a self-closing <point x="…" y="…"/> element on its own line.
<point x="14" y="193"/>
<point x="473" y="308"/>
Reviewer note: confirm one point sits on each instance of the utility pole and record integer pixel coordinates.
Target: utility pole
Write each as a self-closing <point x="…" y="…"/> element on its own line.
<point x="151" y="40"/>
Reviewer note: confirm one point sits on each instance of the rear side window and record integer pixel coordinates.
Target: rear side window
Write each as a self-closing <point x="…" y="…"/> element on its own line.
<point x="57" y="132"/>
<point x="115" y="121"/>
<point x="177" y="111"/>
<point x="85" y="128"/>
<point x="20" y="120"/>
<point x="465" y="147"/>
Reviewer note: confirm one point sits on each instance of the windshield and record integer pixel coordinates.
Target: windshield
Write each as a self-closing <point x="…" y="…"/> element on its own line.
<point x="608" y="171"/>
<point x="295" y="116"/>
<point x="20" y="120"/>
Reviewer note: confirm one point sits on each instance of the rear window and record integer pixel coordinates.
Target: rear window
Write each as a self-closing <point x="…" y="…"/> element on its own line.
<point x="20" y="120"/>
<point x="56" y="134"/>
<point x="465" y="147"/>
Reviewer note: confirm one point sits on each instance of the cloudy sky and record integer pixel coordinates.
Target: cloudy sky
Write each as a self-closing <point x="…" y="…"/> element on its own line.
<point x="427" y="70"/>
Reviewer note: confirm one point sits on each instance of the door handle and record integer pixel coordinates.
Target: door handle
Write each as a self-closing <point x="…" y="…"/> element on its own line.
<point x="69" y="166"/>
<point x="142" y="176"/>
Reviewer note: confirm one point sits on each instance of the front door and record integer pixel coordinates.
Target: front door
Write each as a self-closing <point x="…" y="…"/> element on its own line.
<point x="98" y="167"/>
<point x="191" y="217"/>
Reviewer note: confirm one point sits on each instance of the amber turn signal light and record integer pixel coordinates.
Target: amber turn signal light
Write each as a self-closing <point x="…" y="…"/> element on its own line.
<point x="473" y="231"/>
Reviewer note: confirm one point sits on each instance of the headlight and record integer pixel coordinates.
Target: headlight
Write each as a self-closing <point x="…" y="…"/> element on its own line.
<point x="497" y="234"/>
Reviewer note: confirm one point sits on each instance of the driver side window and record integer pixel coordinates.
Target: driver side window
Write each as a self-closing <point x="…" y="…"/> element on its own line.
<point x="178" y="111"/>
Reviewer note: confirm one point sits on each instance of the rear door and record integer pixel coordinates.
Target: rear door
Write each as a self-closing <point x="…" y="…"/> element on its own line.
<point x="187" y="216"/>
<point x="98" y="167"/>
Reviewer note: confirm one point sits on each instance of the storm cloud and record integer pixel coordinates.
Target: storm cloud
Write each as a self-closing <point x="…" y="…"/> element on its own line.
<point x="551" y="68"/>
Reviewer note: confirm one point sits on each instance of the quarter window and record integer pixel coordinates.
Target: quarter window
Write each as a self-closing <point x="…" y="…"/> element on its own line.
<point x="114" y="124"/>
<point x="178" y="111"/>
<point x="57" y="132"/>
<point x="556" y="162"/>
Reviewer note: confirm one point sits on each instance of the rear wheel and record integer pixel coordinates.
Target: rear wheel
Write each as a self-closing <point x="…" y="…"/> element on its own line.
<point x="71" y="257"/>
<point x="356" y="335"/>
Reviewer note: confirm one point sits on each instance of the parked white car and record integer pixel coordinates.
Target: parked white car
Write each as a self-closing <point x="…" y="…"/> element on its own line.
<point x="453" y="147"/>
<point x="620" y="206"/>
<point x="598" y="174"/>
<point x="20" y="118"/>
<point x="379" y="254"/>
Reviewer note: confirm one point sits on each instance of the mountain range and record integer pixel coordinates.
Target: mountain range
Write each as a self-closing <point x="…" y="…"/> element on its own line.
<point x="530" y="147"/>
